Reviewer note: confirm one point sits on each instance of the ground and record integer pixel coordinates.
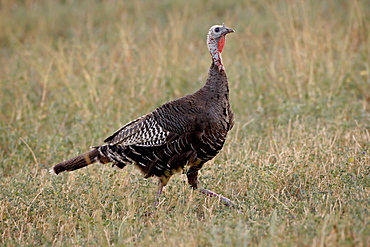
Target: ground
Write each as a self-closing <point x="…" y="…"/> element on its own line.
<point x="296" y="163"/>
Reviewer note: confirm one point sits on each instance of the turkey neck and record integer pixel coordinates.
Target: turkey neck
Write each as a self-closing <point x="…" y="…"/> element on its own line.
<point x="216" y="86"/>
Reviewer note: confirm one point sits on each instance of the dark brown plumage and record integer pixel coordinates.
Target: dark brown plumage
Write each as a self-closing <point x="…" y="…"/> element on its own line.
<point x="188" y="131"/>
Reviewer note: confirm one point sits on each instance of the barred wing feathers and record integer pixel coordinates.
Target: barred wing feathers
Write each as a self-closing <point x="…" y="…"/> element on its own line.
<point x="154" y="129"/>
<point x="144" y="131"/>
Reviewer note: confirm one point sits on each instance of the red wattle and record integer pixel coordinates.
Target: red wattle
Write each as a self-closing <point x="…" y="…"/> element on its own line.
<point x="221" y="43"/>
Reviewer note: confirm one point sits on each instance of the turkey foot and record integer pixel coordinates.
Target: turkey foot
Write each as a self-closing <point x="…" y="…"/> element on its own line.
<point x="225" y="200"/>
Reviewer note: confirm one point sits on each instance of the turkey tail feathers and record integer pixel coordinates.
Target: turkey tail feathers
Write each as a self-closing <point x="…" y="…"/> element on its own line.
<point x="77" y="162"/>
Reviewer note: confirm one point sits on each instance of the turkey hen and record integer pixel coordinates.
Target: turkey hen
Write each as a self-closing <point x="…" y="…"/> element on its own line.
<point x="188" y="131"/>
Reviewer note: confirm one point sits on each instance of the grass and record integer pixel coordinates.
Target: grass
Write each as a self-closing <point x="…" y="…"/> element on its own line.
<point x="297" y="161"/>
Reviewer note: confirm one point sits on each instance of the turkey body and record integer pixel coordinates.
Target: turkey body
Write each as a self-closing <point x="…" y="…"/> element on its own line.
<point x="188" y="131"/>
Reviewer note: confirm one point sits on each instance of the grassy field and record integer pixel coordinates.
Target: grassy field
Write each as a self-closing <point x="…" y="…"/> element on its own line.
<point x="297" y="161"/>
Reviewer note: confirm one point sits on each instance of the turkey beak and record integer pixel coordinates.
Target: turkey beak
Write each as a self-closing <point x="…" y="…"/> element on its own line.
<point x="229" y="30"/>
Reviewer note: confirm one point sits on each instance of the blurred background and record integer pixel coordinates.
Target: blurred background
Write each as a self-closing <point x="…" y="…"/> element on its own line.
<point x="72" y="72"/>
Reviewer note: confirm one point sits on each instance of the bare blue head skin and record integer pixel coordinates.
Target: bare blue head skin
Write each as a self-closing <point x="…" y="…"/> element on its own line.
<point x="216" y="39"/>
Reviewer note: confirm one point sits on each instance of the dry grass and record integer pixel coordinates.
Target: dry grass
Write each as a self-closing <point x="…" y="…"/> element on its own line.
<point x="297" y="161"/>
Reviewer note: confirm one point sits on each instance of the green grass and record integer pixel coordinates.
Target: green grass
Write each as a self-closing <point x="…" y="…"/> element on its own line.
<point x="297" y="161"/>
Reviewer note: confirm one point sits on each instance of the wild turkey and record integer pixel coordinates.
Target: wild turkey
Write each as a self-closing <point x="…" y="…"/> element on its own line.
<point x="188" y="131"/>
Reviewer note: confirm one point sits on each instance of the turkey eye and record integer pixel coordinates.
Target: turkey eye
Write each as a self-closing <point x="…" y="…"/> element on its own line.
<point x="217" y="29"/>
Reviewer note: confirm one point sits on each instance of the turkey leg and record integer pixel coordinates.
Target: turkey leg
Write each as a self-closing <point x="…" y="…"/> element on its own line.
<point x="192" y="175"/>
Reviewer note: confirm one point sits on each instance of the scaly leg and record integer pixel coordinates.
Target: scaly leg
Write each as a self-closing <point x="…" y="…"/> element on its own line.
<point x="161" y="183"/>
<point x="159" y="192"/>
<point x="192" y="175"/>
